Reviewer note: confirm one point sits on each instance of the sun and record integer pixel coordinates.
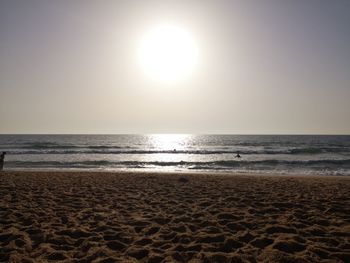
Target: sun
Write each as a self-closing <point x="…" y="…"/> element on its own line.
<point x="168" y="53"/>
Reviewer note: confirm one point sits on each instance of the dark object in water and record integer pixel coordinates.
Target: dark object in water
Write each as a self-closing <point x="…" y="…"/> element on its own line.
<point x="238" y="155"/>
<point x="183" y="180"/>
<point x="2" y="158"/>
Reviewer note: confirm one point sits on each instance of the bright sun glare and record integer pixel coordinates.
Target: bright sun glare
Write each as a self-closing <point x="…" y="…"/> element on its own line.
<point x="168" y="53"/>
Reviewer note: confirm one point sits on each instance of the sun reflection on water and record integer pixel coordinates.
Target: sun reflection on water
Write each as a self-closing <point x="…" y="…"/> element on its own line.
<point x="169" y="142"/>
<point x="167" y="145"/>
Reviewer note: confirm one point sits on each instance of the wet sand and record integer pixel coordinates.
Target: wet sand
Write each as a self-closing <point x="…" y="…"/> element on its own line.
<point x="150" y="217"/>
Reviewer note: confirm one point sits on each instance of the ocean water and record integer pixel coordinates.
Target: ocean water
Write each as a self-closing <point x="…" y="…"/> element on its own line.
<point x="296" y="154"/>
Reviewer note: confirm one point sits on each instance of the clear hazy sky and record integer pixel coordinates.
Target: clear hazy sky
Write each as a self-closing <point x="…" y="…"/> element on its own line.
<point x="69" y="66"/>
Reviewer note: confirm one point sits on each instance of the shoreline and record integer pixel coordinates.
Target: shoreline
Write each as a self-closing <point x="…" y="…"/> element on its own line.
<point x="185" y="217"/>
<point x="195" y="172"/>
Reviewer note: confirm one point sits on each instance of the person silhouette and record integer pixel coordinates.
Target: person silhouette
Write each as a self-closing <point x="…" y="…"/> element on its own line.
<point x="238" y="155"/>
<point x="2" y="158"/>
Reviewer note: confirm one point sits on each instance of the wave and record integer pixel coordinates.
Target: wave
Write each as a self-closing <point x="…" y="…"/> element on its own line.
<point x="105" y="147"/>
<point x="210" y="164"/>
<point x="65" y="149"/>
<point x="317" y="150"/>
<point x="48" y="145"/>
<point x="53" y="145"/>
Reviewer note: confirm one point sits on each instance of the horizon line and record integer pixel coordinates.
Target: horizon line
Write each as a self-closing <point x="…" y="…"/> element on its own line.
<point x="236" y="134"/>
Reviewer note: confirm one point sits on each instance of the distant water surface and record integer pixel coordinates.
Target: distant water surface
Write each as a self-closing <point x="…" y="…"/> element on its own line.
<point x="309" y="154"/>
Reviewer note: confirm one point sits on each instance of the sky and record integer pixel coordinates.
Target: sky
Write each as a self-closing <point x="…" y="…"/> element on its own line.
<point x="262" y="67"/>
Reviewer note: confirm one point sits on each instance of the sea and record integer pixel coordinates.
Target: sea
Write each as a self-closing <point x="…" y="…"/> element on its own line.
<point x="268" y="154"/>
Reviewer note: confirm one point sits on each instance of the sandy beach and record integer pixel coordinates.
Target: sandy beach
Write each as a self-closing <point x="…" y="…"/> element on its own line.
<point x="151" y="217"/>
